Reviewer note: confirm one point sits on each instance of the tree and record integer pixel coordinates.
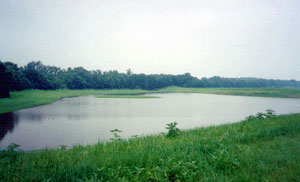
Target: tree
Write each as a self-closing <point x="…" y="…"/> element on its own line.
<point x="4" y="82"/>
<point x="35" y="75"/>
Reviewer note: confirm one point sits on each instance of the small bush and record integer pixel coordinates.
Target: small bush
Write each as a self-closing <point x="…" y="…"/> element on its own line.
<point x="260" y="115"/>
<point x="173" y="131"/>
<point x="12" y="147"/>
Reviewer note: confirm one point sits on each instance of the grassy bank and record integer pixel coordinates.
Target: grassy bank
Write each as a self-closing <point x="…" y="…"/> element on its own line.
<point x="252" y="150"/>
<point x="259" y="92"/>
<point x="31" y="98"/>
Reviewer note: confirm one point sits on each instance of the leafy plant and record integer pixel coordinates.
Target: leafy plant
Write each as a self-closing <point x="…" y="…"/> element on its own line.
<point x="116" y="134"/>
<point x="260" y="115"/>
<point x="173" y="131"/>
<point x="270" y="113"/>
<point x="12" y="147"/>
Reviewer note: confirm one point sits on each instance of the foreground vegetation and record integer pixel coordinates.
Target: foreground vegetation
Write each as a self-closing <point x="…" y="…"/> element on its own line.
<point x="30" y="98"/>
<point x="256" y="149"/>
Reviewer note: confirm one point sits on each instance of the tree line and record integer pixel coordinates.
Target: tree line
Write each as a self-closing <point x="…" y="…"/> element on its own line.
<point x="36" y="75"/>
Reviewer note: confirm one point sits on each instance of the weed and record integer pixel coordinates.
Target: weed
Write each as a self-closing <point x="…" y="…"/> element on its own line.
<point x="270" y="113"/>
<point x="260" y="115"/>
<point x="173" y="131"/>
<point x="12" y="147"/>
<point x="116" y="132"/>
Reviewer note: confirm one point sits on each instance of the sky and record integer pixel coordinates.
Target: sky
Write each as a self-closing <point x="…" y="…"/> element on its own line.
<point x="228" y="38"/>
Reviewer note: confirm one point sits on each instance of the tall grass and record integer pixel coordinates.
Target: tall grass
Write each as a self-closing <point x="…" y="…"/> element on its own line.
<point x="265" y="149"/>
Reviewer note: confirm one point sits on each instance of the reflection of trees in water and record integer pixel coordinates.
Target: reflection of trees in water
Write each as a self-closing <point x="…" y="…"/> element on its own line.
<point x="32" y="116"/>
<point x="7" y="123"/>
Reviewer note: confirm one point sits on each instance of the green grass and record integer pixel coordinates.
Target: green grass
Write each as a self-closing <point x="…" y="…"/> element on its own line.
<point x="30" y="98"/>
<point x="251" y="150"/>
<point x="259" y="92"/>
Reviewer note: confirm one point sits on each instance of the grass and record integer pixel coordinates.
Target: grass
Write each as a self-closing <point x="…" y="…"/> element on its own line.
<point x="258" y="92"/>
<point x="30" y="98"/>
<point x="251" y="150"/>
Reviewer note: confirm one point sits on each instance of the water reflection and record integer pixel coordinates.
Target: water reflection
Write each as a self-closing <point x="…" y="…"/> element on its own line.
<point x="31" y="116"/>
<point x="87" y="120"/>
<point x="7" y="123"/>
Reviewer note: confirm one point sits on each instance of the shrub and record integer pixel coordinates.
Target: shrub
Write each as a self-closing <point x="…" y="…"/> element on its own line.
<point x="173" y="131"/>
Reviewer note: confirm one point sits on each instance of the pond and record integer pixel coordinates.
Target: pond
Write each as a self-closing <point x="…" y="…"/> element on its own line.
<point x="88" y="119"/>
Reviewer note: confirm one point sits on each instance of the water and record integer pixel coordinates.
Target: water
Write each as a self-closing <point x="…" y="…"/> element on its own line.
<point x="87" y="120"/>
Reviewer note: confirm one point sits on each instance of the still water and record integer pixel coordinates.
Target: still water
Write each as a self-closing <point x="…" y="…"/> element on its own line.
<point x="88" y="119"/>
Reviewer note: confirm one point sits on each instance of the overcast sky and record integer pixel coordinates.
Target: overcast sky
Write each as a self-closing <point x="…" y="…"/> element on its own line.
<point x="229" y="38"/>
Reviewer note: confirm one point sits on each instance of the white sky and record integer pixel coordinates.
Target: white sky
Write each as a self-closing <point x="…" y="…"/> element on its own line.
<point x="230" y="38"/>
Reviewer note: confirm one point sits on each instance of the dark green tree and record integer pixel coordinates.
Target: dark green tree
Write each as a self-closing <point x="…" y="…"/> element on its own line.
<point x="5" y="79"/>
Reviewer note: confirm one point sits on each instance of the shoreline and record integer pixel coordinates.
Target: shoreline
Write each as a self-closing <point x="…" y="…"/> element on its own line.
<point x="31" y="98"/>
<point x="266" y="147"/>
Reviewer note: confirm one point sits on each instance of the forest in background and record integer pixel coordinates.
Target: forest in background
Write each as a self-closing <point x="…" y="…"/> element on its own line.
<point x="36" y="75"/>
